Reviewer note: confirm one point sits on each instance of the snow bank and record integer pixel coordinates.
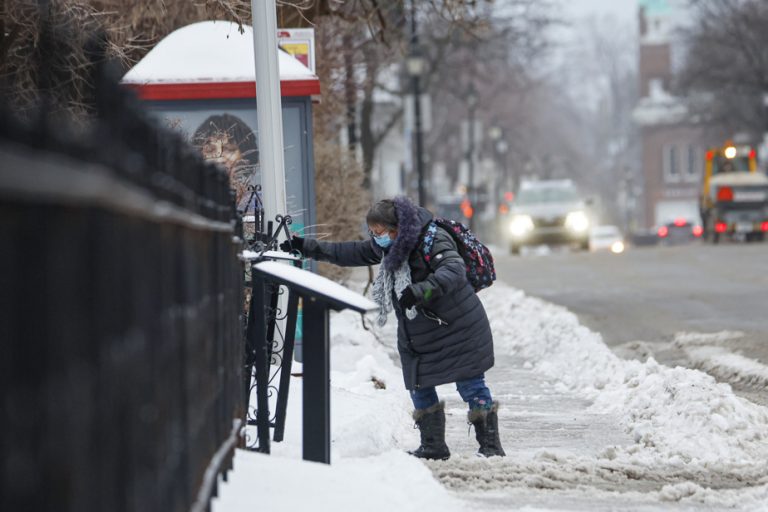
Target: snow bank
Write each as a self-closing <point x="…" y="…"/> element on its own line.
<point x="371" y="408"/>
<point x="677" y="416"/>
<point x="693" y="438"/>
<point x="371" y="428"/>
<point x="391" y="481"/>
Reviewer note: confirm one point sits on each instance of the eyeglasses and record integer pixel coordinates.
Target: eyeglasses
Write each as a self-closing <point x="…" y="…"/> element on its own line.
<point x="374" y="234"/>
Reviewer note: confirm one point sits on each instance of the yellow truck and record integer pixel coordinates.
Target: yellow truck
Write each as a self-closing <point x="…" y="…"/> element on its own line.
<point x="734" y="195"/>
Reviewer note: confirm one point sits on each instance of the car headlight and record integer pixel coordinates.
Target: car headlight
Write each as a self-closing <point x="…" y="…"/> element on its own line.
<point x="577" y="222"/>
<point x="520" y="225"/>
<point x="617" y="247"/>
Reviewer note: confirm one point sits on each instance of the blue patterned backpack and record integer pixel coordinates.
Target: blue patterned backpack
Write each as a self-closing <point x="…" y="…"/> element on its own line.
<point x="477" y="257"/>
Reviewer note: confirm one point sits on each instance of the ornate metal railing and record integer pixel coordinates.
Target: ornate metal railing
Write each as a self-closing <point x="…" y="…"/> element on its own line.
<point x="121" y="293"/>
<point x="268" y="361"/>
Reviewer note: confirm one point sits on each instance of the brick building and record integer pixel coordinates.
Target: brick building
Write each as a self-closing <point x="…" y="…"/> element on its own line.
<point x="673" y="146"/>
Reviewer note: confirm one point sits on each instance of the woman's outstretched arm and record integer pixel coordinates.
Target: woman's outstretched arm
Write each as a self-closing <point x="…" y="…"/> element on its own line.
<point x="359" y="253"/>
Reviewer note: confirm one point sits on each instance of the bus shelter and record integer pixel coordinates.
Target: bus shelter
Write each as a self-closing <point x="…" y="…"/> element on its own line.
<point x="200" y="80"/>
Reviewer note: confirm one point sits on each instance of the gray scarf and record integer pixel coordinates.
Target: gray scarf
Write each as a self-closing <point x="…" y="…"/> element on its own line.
<point x="385" y="282"/>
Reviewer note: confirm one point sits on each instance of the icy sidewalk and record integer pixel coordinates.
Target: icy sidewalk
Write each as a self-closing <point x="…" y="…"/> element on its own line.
<point x="583" y="430"/>
<point x="562" y="455"/>
<point x="541" y="428"/>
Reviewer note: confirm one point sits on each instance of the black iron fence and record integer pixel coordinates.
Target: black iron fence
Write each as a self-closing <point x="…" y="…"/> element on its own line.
<point x="120" y="314"/>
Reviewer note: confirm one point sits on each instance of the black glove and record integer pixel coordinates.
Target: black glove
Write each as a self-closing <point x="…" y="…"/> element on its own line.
<point x="407" y="299"/>
<point x="296" y="244"/>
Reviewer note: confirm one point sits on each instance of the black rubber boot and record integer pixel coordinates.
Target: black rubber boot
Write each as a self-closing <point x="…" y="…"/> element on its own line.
<point x="486" y="423"/>
<point x="431" y="423"/>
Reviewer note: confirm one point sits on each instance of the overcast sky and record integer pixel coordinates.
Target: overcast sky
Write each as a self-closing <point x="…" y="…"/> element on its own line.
<point x="614" y="16"/>
<point x="574" y="12"/>
<point x="622" y="9"/>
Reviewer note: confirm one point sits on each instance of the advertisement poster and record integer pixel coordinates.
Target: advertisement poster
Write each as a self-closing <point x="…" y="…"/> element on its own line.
<point x="299" y="42"/>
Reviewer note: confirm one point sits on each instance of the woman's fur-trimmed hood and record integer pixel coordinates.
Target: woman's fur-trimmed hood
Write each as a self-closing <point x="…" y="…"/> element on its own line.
<point x="410" y="221"/>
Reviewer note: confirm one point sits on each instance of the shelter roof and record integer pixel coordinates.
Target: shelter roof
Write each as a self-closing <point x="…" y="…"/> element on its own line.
<point x="212" y="59"/>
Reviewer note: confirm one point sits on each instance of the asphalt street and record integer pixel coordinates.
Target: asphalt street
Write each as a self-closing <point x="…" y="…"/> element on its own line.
<point x="640" y="300"/>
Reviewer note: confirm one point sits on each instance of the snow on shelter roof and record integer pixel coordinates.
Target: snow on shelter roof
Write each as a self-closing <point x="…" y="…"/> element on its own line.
<point x="211" y="59"/>
<point x="304" y="281"/>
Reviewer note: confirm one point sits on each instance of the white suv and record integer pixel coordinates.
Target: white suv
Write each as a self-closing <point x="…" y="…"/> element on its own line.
<point x="547" y="212"/>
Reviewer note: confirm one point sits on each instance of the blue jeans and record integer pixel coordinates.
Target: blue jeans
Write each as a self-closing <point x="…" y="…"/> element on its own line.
<point x="473" y="391"/>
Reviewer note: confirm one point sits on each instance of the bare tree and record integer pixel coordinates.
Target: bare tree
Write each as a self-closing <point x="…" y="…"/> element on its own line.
<point x="726" y="69"/>
<point x="603" y="86"/>
<point x="360" y="44"/>
<point x="131" y="28"/>
<point x="500" y="62"/>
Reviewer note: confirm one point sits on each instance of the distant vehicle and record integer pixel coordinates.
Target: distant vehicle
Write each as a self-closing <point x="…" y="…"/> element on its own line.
<point x="449" y="207"/>
<point x="606" y="238"/>
<point x="734" y="195"/>
<point x="547" y="212"/>
<point x="679" y="231"/>
<point x="643" y="237"/>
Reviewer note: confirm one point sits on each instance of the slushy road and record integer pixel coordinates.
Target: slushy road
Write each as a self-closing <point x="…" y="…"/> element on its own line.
<point x="641" y="300"/>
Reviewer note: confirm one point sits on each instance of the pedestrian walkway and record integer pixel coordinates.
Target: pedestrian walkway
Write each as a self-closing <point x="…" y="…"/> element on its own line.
<point x="648" y="443"/>
<point x="547" y="435"/>
<point x="534" y="415"/>
<point x="559" y="454"/>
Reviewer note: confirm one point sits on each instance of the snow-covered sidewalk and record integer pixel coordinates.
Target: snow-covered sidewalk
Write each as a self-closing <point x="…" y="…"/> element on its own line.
<point x="583" y="430"/>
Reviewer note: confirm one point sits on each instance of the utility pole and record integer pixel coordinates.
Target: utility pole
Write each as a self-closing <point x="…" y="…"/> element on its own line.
<point x="765" y="133"/>
<point x="269" y="108"/>
<point x="471" y="104"/>
<point x="416" y="69"/>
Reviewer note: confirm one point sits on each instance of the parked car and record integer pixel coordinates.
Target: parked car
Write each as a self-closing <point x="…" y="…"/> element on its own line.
<point x="606" y="238"/>
<point x="679" y="231"/>
<point x="547" y="212"/>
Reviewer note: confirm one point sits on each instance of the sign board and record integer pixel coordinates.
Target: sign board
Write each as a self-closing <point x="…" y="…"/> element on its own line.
<point x="299" y="42"/>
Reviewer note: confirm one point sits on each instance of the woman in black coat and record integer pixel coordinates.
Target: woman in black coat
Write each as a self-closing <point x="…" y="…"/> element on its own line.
<point x="443" y="334"/>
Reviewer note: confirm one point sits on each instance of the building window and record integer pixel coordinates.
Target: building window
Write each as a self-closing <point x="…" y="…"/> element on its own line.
<point x="671" y="164"/>
<point x="694" y="163"/>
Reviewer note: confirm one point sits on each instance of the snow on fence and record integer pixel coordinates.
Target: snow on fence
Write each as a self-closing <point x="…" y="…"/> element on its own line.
<point x="121" y="323"/>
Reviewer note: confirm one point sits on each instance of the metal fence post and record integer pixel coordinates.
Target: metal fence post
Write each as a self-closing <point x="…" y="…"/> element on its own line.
<point x="317" y="382"/>
<point x="285" y="367"/>
<point x="259" y="346"/>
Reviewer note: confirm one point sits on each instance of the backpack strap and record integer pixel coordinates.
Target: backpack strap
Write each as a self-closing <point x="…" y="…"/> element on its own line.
<point x="429" y="240"/>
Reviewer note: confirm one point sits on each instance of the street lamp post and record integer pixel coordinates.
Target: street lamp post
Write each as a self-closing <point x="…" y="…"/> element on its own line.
<point x="494" y="133"/>
<point x="416" y="64"/>
<point x="765" y="132"/>
<point x="471" y="104"/>
<point x="500" y="147"/>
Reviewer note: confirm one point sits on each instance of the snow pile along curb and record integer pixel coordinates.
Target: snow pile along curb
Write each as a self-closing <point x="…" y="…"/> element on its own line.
<point x="370" y="418"/>
<point x="677" y="416"/>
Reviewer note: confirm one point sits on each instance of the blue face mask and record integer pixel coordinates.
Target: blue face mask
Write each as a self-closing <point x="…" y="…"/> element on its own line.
<point x="383" y="241"/>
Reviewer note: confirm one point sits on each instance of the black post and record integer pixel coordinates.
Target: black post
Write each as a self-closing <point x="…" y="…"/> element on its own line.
<point x="285" y="367"/>
<point x="765" y="131"/>
<point x="274" y="294"/>
<point x="251" y="341"/>
<point x="317" y="382"/>
<point x="416" y="87"/>
<point x="471" y="163"/>
<point x="261" y="362"/>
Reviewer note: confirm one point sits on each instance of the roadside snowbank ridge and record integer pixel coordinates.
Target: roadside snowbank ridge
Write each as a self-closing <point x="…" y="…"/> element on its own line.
<point x="681" y="415"/>
<point x="695" y="442"/>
